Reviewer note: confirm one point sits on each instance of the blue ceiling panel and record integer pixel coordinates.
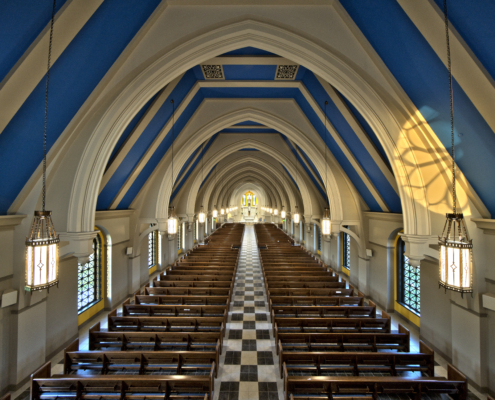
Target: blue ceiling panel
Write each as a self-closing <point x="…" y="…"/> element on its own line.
<point x="196" y="162"/>
<point x="21" y="22"/>
<point x="198" y="73"/>
<point x="142" y="144"/>
<point x="250" y="72"/>
<point x="370" y="132"/>
<point x="300" y="73"/>
<point x="73" y="77"/>
<point x="473" y="20"/>
<point x="248" y="149"/>
<point x="249" y="123"/>
<point x="361" y="154"/>
<point x="247" y="130"/>
<point x="160" y="151"/>
<point x="248" y="51"/>
<point x="424" y="78"/>
<point x="130" y="128"/>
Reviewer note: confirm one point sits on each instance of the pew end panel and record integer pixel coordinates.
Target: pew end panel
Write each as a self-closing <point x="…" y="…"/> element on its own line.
<point x="43" y="372"/>
<point x="405" y="331"/>
<point x="92" y="330"/>
<point x="453" y="374"/>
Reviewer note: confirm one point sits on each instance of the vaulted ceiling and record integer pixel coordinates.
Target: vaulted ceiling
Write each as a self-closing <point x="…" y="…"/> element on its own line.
<point x="81" y="61"/>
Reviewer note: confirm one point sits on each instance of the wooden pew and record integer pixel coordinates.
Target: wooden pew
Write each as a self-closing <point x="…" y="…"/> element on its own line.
<point x="324" y="363"/>
<point x="368" y="311"/>
<point x="166" y="324"/>
<point x="331" y="325"/>
<point x="182" y="300"/>
<point x="304" y="285"/>
<point x="198" y="284"/>
<point x="370" y="387"/>
<point x="139" y="310"/>
<point x="154" y="341"/>
<point x="314" y="301"/>
<point x="340" y="342"/>
<point x="184" y="292"/>
<point x="151" y="387"/>
<point x="141" y="363"/>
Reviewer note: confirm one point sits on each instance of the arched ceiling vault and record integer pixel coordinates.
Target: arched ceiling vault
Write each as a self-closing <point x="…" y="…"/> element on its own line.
<point x="119" y="66"/>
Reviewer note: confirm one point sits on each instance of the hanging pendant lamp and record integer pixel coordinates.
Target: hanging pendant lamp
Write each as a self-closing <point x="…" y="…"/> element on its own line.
<point x="172" y="218"/>
<point x="456" y="248"/>
<point x="282" y="213"/>
<point x="296" y="216"/>
<point x="42" y="244"/>
<point x="326" y="225"/>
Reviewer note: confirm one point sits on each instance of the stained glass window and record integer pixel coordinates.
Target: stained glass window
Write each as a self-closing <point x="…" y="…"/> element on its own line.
<point x="319" y="237"/>
<point x="408" y="282"/>
<point x="89" y="279"/>
<point x="346" y="250"/>
<point x="152" y="247"/>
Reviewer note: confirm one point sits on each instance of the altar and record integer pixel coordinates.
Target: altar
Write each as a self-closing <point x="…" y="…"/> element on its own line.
<point x="249" y="207"/>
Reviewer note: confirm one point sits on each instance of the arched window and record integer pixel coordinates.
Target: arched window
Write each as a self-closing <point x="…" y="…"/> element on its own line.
<point x="319" y="237"/>
<point x="346" y="244"/>
<point x="90" y="278"/>
<point x="408" y="281"/>
<point x="152" y="247"/>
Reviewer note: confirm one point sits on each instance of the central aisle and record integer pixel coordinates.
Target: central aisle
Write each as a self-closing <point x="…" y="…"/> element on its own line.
<point x="249" y="365"/>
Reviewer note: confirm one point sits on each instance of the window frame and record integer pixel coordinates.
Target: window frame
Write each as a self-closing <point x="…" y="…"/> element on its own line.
<point x="346" y="250"/>
<point x="404" y="282"/>
<point x="152" y="248"/>
<point x="97" y="260"/>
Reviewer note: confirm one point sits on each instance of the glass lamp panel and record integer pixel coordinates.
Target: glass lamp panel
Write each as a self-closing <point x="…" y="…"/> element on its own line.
<point x="215" y="213"/>
<point x="296" y="218"/>
<point x="282" y="214"/>
<point x="275" y="212"/>
<point x="222" y="211"/>
<point x="325" y="226"/>
<point x="201" y="218"/>
<point x="172" y="226"/>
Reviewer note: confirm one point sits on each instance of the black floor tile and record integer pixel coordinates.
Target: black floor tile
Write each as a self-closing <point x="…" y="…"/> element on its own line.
<point x="249" y="325"/>
<point x="229" y="387"/>
<point x="237" y="317"/>
<point x="239" y="293"/>
<point x="260" y="317"/>
<point x="248" y="345"/>
<point x="248" y="298"/>
<point x="249" y="289"/>
<point x="234" y="358"/>
<point x="249" y="373"/>
<point x="240" y="284"/>
<point x="258" y="293"/>
<point x="265" y="358"/>
<point x="235" y="334"/>
<point x="262" y="334"/>
<point x="259" y="303"/>
<point x="238" y="304"/>
<point x="248" y="310"/>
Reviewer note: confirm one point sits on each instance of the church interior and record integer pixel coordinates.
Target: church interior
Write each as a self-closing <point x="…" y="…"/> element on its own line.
<point x="247" y="199"/>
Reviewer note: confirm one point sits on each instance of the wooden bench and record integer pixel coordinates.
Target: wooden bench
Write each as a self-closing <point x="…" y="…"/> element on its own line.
<point x="150" y="387"/>
<point x="368" y="311"/>
<point x="341" y="342"/>
<point x="182" y="300"/>
<point x="140" y="363"/>
<point x="166" y="324"/>
<point x="315" y="301"/>
<point x="331" y="325"/>
<point x="154" y="341"/>
<point x="192" y="284"/>
<point x="370" y="387"/>
<point x="304" y="285"/>
<point x="184" y="292"/>
<point x="324" y="363"/>
<point x="139" y="310"/>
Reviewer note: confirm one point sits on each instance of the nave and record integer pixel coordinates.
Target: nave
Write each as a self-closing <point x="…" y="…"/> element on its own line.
<point x="289" y="327"/>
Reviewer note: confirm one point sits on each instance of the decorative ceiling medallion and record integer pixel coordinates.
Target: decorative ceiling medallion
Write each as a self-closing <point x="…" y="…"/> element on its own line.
<point x="213" y="71"/>
<point x="286" y="72"/>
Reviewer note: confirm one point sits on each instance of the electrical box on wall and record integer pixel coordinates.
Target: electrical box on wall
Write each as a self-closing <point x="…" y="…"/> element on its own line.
<point x="128" y="251"/>
<point x="489" y="301"/>
<point x="369" y="252"/>
<point x="9" y="298"/>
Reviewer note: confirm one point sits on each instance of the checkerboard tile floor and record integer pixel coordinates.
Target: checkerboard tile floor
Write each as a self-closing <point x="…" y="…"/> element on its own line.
<point x="248" y="366"/>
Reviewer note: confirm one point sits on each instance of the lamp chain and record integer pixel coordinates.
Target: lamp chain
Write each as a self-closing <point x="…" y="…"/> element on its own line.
<point x="46" y="101"/>
<point x="173" y="139"/>
<point x="449" y="65"/>
<point x="326" y="163"/>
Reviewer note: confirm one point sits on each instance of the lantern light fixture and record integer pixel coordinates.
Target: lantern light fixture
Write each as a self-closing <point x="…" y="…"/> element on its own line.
<point x="282" y="213"/>
<point x="172" y="221"/>
<point x="325" y="223"/>
<point x="222" y="211"/>
<point x="296" y="216"/>
<point x="215" y="212"/>
<point x="42" y="244"/>
<point x="455" y="258"/>
<point x="201" y="216"/>
<point x="275" y="212"/>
